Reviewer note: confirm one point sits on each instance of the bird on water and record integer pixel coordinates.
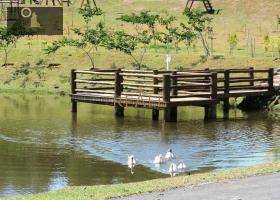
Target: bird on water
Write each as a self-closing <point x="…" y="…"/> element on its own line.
<point x="169" y="155"/>
<point x="158" y="159"/>
<point x="181" y="166"/>
<point x="131" y="162"/>
<point x="172" y="169"/>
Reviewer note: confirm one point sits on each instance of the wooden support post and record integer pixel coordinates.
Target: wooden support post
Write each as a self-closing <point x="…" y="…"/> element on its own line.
<point x="211" y="110"/>
<point x="214" y="88"/>
<point x="155" y="111"/>
<point x="226" y="108"/>
<point x="119" y="110"/>
<point x="170" y="113"/>
<point x="73" y="90"/>
<point x="271" y="80"/>
<point x="226" y="83"/>
<point x="251" y="75"/>
<point x="155" y="114"/>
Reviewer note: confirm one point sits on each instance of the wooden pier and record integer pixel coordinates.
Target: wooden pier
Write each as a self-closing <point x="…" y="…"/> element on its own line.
<point x="167" y="90"/>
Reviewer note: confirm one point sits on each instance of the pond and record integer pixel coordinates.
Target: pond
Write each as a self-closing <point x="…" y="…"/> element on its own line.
<point x="44" y="147"/>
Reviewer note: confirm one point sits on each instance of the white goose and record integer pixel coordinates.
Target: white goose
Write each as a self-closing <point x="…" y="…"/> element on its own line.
<point x="169" y="155"/>
<point x="158" y="159"/>
<point x="172" y="169"/>
<point x="131" y="162"/>
<point x="181" y="166"/>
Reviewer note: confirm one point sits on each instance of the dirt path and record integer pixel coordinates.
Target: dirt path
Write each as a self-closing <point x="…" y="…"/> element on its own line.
<point x="265" y="187"/>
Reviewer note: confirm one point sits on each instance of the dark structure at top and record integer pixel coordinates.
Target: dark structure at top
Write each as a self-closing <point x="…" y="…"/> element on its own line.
<point x="207" y="4"/>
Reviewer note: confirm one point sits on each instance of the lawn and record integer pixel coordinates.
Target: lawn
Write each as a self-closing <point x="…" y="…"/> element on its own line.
<point x="108" y="191"/>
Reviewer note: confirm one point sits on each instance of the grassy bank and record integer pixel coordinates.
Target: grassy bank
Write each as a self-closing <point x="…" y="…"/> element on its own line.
<point x="16" y="89"/>
<point x="51" y="73"/>
<point x="109" y="191"/>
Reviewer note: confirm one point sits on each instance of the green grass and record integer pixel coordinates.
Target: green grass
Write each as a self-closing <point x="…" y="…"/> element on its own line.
<point x="109" y="191"/>
<point x="234" y="18"/>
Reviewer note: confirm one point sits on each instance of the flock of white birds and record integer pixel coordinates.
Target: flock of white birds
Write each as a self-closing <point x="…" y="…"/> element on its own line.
<point x="173" y="170"/>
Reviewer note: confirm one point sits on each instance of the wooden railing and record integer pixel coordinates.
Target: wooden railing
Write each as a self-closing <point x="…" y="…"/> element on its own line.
<point x="93" y="82"/>
<point x="167" y="86"/>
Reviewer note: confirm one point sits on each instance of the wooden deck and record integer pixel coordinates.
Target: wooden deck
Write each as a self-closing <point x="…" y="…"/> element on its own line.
<point x="167" y="90"/>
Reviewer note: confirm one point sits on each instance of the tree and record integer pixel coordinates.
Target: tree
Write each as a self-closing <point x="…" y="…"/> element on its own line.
<point x="232" y="40"/>
<point x="88" y="40"/>
<point x="200" y="23"/>
<point x="145" y="24"/>
<point x="188" y="36"/>
<point x="170" y="34"/>
<point x="7" y="41"/>
<point x="146" y="19"/>
<point x="121" y="41"/>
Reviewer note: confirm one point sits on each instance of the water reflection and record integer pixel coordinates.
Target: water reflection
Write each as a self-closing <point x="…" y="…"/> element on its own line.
<point x="45" y="147"/>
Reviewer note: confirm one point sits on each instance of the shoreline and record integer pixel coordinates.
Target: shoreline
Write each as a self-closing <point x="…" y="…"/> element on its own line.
<point x="157" y="185"/>
<point x="14" y="89"/>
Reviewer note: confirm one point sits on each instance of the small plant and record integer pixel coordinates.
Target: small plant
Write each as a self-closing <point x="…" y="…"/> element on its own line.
<point x="276" y="44"/>
<point x="232" y="41"/>
<point x="22" y="72"/>
<point x="39" y="69"/>
<point x="266" y="41"/>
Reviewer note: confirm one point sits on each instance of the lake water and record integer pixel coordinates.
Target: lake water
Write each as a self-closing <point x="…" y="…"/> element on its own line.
<point x="44" y="147"/>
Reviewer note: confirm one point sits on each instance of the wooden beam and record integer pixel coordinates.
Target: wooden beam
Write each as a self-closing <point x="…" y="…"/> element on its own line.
<point x="166" y="88"/>
<point x="119" y="110"/>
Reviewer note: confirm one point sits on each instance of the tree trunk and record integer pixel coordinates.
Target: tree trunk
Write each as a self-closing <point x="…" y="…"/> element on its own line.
<point x="205" y="46"/>
<point x="6" y="57"/>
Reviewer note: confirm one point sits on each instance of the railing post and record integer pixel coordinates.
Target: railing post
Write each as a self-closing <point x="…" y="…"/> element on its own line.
<point x="226" y="83"/>
<point x="271" y="80"/>
<point x="226" y="94"/>
<point x="166" y="88"/>
<point x="252" y="76"/>
<point x="119" y="110"/>
<point x="155" y="111"/>
<point x="155" y="81"/>
<point x="211" y="110"/>
<point x="73" y="90"/>
<point x="170" y="113"/>
<point x="214" y="88"/>
<point x="174" y="83"/>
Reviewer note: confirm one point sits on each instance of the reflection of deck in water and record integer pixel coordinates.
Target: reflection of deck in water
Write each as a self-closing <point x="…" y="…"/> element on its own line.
<point x="167" y="90"/>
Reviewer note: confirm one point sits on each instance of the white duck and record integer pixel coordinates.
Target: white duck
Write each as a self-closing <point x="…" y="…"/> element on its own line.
<point x="169" y="155"/>
<point x="172" y="169"/>
<point x="158" y="159"/>
<point x="131" y="162"/>
<point x="181" y="166"/>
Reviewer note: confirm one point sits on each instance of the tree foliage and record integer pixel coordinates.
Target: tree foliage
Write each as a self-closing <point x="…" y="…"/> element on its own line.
<point x="200" y="23"/>
<point x="87" y="12"/>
